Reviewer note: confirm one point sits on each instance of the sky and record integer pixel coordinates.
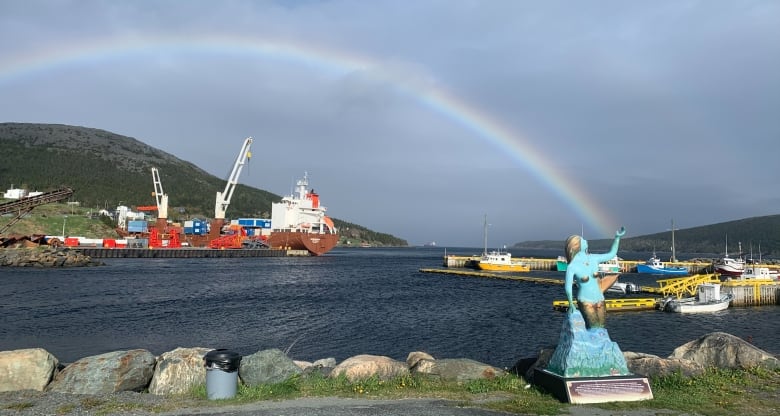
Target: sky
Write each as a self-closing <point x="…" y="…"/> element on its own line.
<point x="428" y="119"/>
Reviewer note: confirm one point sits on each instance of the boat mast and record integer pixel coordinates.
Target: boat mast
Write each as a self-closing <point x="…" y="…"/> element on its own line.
<point x="484" y="236"/>
<point x="674" y="258"/>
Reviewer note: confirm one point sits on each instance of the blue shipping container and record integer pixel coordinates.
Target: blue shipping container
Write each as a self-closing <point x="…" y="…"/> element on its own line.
<point x="137" y="227"/>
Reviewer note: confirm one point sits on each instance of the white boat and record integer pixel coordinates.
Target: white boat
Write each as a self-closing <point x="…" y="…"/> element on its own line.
<point x="753" y="272"/>
<point x="610" y="266"/>
<point x="621" y="288"/>
<point x="728" y="266"/>
<point x="497" y="261"/>
<point x="708" y="299"/>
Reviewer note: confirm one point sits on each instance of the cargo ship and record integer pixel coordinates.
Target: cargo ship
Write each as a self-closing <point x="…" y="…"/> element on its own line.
<point x="298" y="222"/>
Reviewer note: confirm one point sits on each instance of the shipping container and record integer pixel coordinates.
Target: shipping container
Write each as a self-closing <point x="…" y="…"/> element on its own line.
<point x="137" y="226"/>
<point x="109" y="243"/>
<point x="71" y="241"/>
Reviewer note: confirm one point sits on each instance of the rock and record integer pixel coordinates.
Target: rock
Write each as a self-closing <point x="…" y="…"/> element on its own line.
<point x="525" y="366"/>
<point x="106" y="373"/>
<point x="361" y="367"/>
<point x="27" y="369"/>
<point x="456" y="369"/>
<point x="267" y="367"/>
<point x="325" y="362"/>
<point x="44" y="256"/>
<point x="583" y="352"/>
<point x="179" y="370"/>
<point x="722" y="350"/>
<point x="414" y="357"/>
<point x="651" y="366"/>
<point x="321" y="363"/>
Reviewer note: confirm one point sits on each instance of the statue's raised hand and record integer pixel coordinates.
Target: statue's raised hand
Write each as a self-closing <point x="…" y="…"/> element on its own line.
<point x="621" y="232"/>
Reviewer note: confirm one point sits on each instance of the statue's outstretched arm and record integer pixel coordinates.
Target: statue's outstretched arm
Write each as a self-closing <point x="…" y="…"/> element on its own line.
<point x="612" y="251"/>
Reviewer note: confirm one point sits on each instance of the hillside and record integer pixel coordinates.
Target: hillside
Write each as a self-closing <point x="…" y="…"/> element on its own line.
<point x="106" y="169"/>
<point x="755" y="232"/>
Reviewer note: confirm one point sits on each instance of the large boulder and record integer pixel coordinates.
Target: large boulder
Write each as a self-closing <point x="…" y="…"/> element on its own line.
<point x="267" y="367"/>
<point x="456" y="369"/>
<point x="27" y="369"/>
<point x="361" y="367"/>
<point x="651" y="366"/>
<point x="722" y="350"/>
<point x="106" y="373"/>
<point x="178" y="371"/>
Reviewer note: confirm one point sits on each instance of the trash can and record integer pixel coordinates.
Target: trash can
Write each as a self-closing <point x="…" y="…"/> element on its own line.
<point x="221" y="373"/>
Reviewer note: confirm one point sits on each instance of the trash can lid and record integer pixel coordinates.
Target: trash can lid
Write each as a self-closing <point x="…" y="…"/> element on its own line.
<point x="222" y="358"/>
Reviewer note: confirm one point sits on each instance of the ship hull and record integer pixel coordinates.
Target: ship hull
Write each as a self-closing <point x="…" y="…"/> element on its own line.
<point x="317" y="244"/>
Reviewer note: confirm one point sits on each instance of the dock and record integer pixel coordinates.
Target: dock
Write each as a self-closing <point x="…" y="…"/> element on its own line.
<point x="496" y="275"/>
<point x="627" y="304"/>
<point x="542" y="264"/>
<point x="746" y="292"/>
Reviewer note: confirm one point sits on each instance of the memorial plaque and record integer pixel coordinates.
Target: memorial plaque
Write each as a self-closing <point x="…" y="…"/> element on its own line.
<point x="583" y="390"/>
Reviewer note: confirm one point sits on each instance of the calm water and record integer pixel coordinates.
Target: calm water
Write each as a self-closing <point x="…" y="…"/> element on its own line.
<point x="349" y="302"/>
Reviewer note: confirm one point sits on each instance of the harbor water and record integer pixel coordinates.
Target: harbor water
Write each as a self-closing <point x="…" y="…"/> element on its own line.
<point x="347" y="302"/>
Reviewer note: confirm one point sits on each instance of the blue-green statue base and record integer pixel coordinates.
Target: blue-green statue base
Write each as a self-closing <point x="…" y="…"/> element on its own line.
<point x="584" y="352"/>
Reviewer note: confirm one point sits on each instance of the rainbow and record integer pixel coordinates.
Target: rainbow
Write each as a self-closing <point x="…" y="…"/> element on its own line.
<point x="517" y="146"/>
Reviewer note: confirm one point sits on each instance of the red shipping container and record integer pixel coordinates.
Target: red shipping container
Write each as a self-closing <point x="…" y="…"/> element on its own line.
<point x="71" y="241"/>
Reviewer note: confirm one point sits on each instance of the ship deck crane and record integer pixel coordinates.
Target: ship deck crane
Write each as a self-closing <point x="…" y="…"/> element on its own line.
<point x="162" y="200"/>
<point x="224" y="197"/>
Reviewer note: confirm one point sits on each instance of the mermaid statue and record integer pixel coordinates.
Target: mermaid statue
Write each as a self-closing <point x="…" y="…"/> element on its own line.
<point x="584" y="348"/>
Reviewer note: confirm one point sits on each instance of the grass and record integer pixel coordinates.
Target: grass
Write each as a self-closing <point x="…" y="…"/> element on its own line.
<point x="717" y="392"/>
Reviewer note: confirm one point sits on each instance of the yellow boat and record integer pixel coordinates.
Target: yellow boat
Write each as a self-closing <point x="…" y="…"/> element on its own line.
<point x="496" y="261"/>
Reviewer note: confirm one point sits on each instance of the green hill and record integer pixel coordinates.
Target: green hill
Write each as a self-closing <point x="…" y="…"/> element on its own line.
<point x="763" y="232"/>
<point x="107" y="169"/>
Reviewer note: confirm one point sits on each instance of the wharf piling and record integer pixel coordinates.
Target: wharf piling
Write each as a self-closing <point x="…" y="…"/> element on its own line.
<point x="752" y="292"/>
<point x="191" y="253"/>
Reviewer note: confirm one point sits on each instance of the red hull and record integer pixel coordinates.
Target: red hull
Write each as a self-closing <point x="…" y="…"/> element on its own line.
<point x="316" y="244"/>
<point x="728" y="271"/>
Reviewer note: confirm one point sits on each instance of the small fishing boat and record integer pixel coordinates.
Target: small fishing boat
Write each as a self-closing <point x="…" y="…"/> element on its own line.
<point x="497" y="261"/>
<point x="610" y="266"/>
<point x="561" y="264"/>
<point x="621" y="288"/>
<point x="708" y="299"/>
<point x="728" y="266"/>
<point x="753" y="272"/>
<point x="655" y="266"/>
